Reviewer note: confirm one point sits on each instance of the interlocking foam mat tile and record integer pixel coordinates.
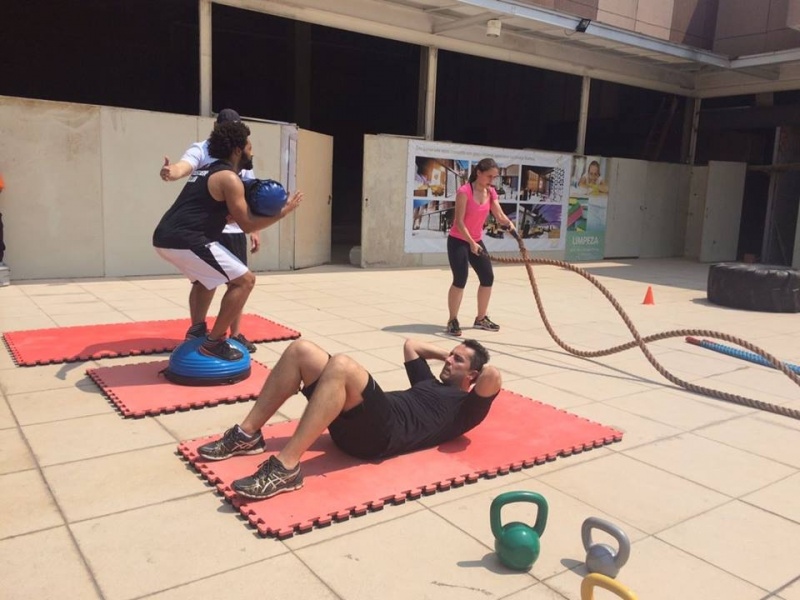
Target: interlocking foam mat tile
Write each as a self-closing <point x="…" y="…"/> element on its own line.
<point x="141" y="390"/>
<point x="86" y="342"/>
<point x="518" y="433"/>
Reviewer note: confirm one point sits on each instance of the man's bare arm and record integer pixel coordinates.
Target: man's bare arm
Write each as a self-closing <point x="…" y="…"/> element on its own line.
<point x="226" y="186"/>
<point x="173" y="172"/>
<point x="489" y="382"/>
<point x="414" y="349"/>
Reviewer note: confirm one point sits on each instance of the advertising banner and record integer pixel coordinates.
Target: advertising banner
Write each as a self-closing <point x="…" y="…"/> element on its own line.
<point x="588" y="204"/>
<point x="532" y="189"/>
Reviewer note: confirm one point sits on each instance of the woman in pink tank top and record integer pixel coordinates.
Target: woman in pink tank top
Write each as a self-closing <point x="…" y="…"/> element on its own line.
<point x="474" y="201"/>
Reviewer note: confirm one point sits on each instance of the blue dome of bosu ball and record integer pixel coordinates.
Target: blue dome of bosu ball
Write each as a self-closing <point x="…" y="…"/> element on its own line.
<point x="187" y="366"/>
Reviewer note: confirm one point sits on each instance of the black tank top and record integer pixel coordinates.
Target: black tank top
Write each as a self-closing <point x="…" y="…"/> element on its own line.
<point x="195" y="218"/>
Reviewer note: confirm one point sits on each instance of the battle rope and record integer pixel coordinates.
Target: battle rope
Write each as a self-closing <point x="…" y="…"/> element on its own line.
<point x="642" y="342"/>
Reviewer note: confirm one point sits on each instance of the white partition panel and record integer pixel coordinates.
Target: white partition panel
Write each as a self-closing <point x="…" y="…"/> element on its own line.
<point x="312" y="220"/>
<point x="666" y="201"/>
<point x="696" y="209"/>
<point x="266" y="139"/>
<point x="383" y="202"/>
<point x="626" y="204"/>
<point x="51" y="206"/>
<point x="723" y="213"/>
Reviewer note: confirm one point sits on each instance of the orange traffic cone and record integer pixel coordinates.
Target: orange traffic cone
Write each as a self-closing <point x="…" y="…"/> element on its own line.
<point x="648" y="297"/>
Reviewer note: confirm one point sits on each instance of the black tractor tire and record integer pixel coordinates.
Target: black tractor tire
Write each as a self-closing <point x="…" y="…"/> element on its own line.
<point x="766" y="288"/>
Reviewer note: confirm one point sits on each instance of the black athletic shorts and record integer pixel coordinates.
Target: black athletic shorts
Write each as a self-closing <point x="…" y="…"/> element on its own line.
<point x="362" y="431"/>
<point x="237" y="244"/>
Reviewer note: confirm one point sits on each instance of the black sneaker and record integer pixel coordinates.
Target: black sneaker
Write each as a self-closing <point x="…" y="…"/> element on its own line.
<point x="197" y="330"/>
<point x="486" y="323"/>
<point x="453" y="328"/>
<point x="251" y="347"/>
<point x="271" y="478"/>
<point x="220" y="349"/>
<point x="232" y="443"/>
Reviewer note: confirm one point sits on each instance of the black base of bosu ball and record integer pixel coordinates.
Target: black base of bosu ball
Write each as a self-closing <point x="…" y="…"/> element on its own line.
<point x="187" y="366"/>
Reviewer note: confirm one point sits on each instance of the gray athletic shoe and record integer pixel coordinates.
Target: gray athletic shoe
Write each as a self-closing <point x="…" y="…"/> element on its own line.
<point x="453" y="328"/>
<point x="271" y="478"/>
<point x="486" y="323"/>
<point x="232" y="443"/>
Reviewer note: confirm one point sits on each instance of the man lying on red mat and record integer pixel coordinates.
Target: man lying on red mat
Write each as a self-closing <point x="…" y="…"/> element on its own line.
<point x="363" y="420"/>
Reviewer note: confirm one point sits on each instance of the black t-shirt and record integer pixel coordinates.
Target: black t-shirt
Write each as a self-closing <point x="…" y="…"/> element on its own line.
<point x="195" y="218"/>
<point x="430" y="412"/>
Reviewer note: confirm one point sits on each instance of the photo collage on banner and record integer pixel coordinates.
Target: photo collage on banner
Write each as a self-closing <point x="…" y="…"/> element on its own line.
<point x="532" y="190"/>
<point x="588" y="203"/>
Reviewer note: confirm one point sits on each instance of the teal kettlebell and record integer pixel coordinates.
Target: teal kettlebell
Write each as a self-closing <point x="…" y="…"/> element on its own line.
<point x="517" y="544"/>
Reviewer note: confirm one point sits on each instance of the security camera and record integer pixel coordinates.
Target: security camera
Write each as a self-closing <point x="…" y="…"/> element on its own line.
<point x="493" y="27"/>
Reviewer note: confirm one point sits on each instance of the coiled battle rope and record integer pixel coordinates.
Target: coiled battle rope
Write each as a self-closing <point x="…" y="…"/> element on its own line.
<point x="642" y="342"/>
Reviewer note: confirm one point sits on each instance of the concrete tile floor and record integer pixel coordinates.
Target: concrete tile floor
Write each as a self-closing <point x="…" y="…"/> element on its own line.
<point x="96" y="506"/>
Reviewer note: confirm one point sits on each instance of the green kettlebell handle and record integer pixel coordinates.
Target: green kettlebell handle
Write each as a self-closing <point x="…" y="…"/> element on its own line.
<point x="509" y="497"/>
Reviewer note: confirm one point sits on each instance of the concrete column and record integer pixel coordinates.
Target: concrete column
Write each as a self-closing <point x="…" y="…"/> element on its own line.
<point x="583" y="118"/>
<point x="691" y="150"/>
<point x="691" y="119"/>
<point x="204" y="11"/>
<point x="426" y="113"/>
<point x="796" y="254"/>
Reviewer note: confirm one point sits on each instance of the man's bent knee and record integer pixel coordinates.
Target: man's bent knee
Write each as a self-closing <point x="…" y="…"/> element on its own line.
<point x="300" y="348"/>
<point x="346" y="367"/>
<point x="246" y="281"/>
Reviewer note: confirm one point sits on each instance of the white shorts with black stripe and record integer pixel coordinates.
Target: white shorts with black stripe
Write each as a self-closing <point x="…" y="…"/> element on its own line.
<point x="211" y="265"/>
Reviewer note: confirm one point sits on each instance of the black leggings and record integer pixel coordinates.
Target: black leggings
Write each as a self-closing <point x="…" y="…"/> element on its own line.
<point x="458" y="253"/>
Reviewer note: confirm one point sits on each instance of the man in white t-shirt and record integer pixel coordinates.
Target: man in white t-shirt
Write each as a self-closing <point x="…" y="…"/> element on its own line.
<point x="233" y="238"/>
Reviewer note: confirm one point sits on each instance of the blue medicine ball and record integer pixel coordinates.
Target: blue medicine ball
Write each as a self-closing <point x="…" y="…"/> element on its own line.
<point x="265" y="197"/>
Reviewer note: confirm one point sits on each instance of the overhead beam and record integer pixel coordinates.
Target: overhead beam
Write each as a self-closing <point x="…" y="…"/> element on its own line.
<point x="768" y="73"/>
<point x="601" y="30"/>
<point x="766" y="59"/>
<point x="465" y="22"/>
<point x="734" y="83"/>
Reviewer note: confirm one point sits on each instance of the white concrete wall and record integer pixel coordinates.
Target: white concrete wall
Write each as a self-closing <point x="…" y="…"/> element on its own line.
<point x="83" y="193"/>
<point x="50" y="157"/>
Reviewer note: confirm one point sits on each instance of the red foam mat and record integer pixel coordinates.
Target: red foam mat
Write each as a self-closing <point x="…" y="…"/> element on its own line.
<point x="140" y="390"/>
<point x="86" y="342"/>
<point x="518" y="433"/>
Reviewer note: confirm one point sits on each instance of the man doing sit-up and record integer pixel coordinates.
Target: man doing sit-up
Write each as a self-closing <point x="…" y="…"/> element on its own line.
<point x="363" y="420"/>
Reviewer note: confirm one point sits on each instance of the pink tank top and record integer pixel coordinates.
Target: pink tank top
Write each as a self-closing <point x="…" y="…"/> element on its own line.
<point x="475" y="215"/>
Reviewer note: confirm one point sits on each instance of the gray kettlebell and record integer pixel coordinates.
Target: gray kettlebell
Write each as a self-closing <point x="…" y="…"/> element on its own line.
<point x="602" y="558"/>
